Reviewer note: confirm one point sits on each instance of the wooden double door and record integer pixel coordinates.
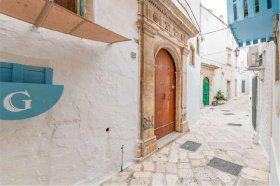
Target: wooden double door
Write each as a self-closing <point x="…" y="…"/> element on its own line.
<point x="165" y="94"/>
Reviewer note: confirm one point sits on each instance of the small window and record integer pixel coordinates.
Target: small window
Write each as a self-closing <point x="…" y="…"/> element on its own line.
<point x="192" y="56"/>
<point x="71" y="5"/>
<point x="235" y="11"/>
<point x="229" y="59"/>
<point x="257" y="5"/>
<point x="245" y="8"/>
<point x="11" y="72"/>
<point x="269" y="4"/>
<point x="80" y="7"/>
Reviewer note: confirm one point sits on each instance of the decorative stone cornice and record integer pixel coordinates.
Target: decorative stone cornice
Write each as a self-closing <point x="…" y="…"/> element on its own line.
<point x="207" y="69"/>
<point x="167" y="17"/>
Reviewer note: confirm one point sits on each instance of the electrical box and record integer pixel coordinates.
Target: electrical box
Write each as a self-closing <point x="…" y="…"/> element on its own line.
<point x="254" y="59"/>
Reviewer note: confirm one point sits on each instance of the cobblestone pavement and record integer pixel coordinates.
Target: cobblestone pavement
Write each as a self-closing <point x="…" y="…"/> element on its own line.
<point x="173" y="165"/>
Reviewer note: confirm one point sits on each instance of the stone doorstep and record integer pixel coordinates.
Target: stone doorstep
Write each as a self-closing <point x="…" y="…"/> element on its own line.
<point x="166" y="140"/>
<point x="163" y="142"/>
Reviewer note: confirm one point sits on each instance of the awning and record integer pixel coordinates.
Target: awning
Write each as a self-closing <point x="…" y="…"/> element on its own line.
<point x="43" y="13"/>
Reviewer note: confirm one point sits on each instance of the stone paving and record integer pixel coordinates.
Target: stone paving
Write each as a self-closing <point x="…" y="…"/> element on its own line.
<point x="173" y="165"/>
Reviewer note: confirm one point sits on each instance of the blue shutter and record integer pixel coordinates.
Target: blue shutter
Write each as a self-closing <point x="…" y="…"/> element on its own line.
<point x="10" y="72"/>
<point x="6" y="71"/>
<point x="83" y="8"/>
<point x="230" y="11"/>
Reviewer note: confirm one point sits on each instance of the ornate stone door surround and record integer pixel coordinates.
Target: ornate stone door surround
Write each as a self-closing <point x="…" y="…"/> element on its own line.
<point x="209" y="72"/>
<point x="161" y="25"/>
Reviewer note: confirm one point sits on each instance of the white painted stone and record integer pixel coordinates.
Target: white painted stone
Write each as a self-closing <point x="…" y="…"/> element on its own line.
<point x="173" y="157"/>
<point x="185" y="173"/>
<point x="171" y="179"/>
<point x="196" y="156"/>
<point x="158" y="179"/>
<point x="160" y="166"/>
<point x="254" y="174"/>
<point x="184" y="165"/>
<point x="171" y="168"/>
<point x="142" y="174"/>
<point x="149" y="166"/>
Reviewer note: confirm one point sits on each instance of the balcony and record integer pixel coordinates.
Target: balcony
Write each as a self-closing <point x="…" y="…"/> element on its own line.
<point x="251" y="21"/>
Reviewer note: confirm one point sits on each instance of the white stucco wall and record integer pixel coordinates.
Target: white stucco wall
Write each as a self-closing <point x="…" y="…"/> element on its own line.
<point x="192" y="72"/>
<point x="274" y="175"/>
<point x="214" y="50"/>
<point x="275" y="139"/>
<point x="193" y="87"/>
<point x="242" y="73"/>
<point x="69" y="143"/>
<point x="268" y="128"/>
<point x="265" y="95"/>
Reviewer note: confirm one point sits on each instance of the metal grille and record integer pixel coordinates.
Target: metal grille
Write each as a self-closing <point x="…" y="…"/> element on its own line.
<point x="191" y="146"/>
<point x="225" y="166"/>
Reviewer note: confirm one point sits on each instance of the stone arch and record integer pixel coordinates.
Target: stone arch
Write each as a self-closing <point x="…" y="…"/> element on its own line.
<point x="172" y="51"/>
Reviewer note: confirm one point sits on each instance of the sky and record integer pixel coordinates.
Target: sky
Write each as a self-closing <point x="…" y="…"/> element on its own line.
<point x="219" y="7"/>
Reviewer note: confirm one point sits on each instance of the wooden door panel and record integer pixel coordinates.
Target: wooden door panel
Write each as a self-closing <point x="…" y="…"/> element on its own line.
<point x="164" y="94"/>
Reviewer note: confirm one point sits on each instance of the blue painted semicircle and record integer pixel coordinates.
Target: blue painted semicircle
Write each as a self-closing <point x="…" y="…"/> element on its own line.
<point x="26" y="100"/>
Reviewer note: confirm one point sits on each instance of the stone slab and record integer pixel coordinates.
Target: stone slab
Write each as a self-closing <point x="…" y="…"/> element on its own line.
<point x="225" y="166"/>
<point x="191" y="146"/>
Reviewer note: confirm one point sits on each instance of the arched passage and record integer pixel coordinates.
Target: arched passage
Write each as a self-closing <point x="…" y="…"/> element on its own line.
<point x="165" y="94"/>
<point x="206" y="91"/>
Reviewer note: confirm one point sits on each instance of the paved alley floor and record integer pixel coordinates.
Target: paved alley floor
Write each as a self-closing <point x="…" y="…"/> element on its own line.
<point x="173" y="165"/>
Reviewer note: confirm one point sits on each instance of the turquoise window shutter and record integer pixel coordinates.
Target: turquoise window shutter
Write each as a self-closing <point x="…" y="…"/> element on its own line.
<point x="10" y="72"/>
<point x="83" y="8"/>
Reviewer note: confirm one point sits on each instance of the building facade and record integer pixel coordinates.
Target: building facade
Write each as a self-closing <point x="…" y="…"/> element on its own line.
<point x="255" y="24"/>
<point x="110" y="113"/>
<point x="219" y="62"/>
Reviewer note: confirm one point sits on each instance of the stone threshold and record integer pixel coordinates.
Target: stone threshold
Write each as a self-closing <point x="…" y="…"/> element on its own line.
<point x="162" y="142"/>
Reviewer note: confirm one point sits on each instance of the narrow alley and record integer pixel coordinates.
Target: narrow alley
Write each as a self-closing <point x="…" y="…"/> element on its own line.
<point x="140" y="92"/>
<point x="224" y="132"/>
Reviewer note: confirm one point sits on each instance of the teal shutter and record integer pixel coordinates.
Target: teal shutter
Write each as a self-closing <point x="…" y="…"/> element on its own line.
<point x="10" y="72"/>
<point x="83" y="8"/>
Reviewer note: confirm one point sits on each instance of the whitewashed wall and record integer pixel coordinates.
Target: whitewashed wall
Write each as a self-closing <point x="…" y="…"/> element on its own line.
<point x="192" y="72"/>
<point x="265" y="95"/>
<point x="268" y="129"/>
<point x="243" y="74"/>
<point x="69" y="143"/>
<point x="214" y="51"/>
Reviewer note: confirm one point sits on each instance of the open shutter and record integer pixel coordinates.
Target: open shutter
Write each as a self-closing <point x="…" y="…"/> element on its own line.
<point x="18" y="73"/>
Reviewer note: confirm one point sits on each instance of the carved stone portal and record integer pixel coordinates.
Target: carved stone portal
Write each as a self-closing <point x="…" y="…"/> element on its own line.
<point x="161" y="25"/>
<point x="209" y="72"/>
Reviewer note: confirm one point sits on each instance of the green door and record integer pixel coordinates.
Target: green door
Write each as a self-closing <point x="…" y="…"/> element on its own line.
<point x="206" y="86"/>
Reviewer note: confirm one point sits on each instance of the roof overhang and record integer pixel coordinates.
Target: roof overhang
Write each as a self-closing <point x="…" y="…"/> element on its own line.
<point x="46" y="14"/>
<point x="253" y="29"/>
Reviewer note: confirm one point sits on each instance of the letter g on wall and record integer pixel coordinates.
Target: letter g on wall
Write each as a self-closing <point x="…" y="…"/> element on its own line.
<point x="8" y="105"/>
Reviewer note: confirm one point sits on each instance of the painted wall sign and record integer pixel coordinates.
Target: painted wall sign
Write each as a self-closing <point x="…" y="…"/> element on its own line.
<point x="26" y="100"/>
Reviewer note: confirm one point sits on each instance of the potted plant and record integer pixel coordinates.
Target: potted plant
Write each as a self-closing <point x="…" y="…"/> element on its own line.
<point x="220" y="97"/>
